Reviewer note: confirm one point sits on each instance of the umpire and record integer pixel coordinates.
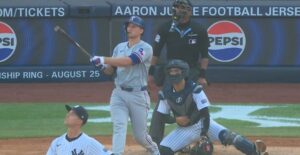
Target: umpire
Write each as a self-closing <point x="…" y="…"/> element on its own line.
<point x="185" y="40"/>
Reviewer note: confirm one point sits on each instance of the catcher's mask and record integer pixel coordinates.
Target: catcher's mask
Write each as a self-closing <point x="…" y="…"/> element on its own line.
<point x="179" y="64"/>
<point x="202" y="148"/>
<point x="184" y="9"/>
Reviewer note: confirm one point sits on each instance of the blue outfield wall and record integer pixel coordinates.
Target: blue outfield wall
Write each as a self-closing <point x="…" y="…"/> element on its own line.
<point x="251" y="41"/>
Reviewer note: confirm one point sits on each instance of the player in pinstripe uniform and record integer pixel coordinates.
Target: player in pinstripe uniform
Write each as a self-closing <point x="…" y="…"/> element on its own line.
<point x="189" y="105"/>
<point x="130" y="99"/>
<point x="75" y="142"/>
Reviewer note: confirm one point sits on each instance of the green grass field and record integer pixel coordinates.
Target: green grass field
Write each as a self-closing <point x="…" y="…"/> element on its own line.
<point x="40" y="120"/>
<point x="288" y="110"/>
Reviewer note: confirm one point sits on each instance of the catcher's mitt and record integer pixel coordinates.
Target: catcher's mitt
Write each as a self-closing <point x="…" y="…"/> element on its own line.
<point x="203" y="147"/>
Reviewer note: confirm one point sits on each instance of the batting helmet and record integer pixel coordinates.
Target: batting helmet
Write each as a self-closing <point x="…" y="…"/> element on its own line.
<point x="136" y="20"/>
<point x="202" y="148"/>
<point x="176" y="63"/>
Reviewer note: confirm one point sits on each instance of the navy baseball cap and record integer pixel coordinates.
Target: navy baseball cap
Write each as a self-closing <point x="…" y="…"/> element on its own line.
<point x="79" y="111"/>
<point x="136" y="20"/>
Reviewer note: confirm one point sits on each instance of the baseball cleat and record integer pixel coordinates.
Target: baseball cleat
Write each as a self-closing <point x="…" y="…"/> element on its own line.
<point x="265" y="153"/>
<point x="261" y="147"/>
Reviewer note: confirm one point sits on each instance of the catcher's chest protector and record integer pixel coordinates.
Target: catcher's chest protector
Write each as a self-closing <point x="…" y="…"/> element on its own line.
<point x="181" y="103"/>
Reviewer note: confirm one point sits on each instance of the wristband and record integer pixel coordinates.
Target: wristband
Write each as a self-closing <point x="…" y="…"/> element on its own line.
<point x="102" y="60"/>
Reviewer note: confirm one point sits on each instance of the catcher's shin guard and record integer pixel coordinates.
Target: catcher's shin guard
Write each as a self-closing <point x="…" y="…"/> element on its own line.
<point x="241" y="143"/>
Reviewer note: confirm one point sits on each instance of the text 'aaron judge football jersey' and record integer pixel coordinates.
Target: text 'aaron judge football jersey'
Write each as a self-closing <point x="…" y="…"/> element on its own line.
<point x="82" y="145"/>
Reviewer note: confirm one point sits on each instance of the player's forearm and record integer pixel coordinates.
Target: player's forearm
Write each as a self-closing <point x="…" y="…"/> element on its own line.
<point x="199" y="114"/>
<point x="204" y="63"/>
<point x="118" y="62"/>
<point x="206" y="122"/>
<point x="154" y="60"/>
<point x="203" y="67"/>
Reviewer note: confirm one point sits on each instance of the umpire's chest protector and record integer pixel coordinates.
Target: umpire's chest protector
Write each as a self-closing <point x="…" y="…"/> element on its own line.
<point x="181" y="103"/>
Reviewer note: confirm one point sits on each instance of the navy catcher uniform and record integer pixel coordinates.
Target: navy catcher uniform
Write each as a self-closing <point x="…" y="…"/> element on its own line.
<point x="186" y="99"/>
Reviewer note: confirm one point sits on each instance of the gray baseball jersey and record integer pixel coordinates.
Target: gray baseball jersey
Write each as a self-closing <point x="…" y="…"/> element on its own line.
<point x="83" y="145"/>
<point x="135" y="75"/>
<point x="135" y="103"/>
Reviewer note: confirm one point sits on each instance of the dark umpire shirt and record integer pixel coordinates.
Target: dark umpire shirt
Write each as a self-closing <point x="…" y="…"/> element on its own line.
<point x="187" y="42"/>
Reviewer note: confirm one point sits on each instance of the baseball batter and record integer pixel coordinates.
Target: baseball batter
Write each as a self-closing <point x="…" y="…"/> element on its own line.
<point x="75" y="142"/>
<point x="130" y="99"/>
<point x="189" y="105"/>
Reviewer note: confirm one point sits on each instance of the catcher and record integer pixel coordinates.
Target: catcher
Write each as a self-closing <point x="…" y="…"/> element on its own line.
<point x="189" y="105"/>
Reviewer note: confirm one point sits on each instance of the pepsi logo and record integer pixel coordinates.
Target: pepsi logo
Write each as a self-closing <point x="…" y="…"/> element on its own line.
<point x="227" y="41"/>
<point x="8" y="41"/>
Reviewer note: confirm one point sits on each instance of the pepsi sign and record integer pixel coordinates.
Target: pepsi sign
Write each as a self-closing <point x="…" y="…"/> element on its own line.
<point x="227" y="41"/>
<point x="8" y="41"/>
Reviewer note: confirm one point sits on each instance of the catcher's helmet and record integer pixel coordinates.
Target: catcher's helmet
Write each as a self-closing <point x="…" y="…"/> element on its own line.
<point x="136" y="20"/>
<point x="176" y="63"/>
<point x="202" y="148"/>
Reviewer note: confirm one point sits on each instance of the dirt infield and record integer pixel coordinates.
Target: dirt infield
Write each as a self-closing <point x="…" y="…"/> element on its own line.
<point x="100" y="92"/>
<point x="38" y="146"/>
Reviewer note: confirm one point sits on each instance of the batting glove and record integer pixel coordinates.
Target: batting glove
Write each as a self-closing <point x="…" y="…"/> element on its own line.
<point x="97" y="60"/>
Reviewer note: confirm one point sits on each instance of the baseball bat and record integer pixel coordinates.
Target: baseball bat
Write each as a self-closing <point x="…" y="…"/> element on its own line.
<point x="64" y="33"/>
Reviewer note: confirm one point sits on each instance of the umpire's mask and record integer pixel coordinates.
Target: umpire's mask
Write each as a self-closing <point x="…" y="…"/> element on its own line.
<point x="176" y="70"/>
<point x="181" y="9"/>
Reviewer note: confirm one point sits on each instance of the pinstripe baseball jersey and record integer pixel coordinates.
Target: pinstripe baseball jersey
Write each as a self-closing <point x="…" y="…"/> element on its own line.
<point x="177" y="101"/>
<point x="82" y="145"/>
<point x="136" y="74"/>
